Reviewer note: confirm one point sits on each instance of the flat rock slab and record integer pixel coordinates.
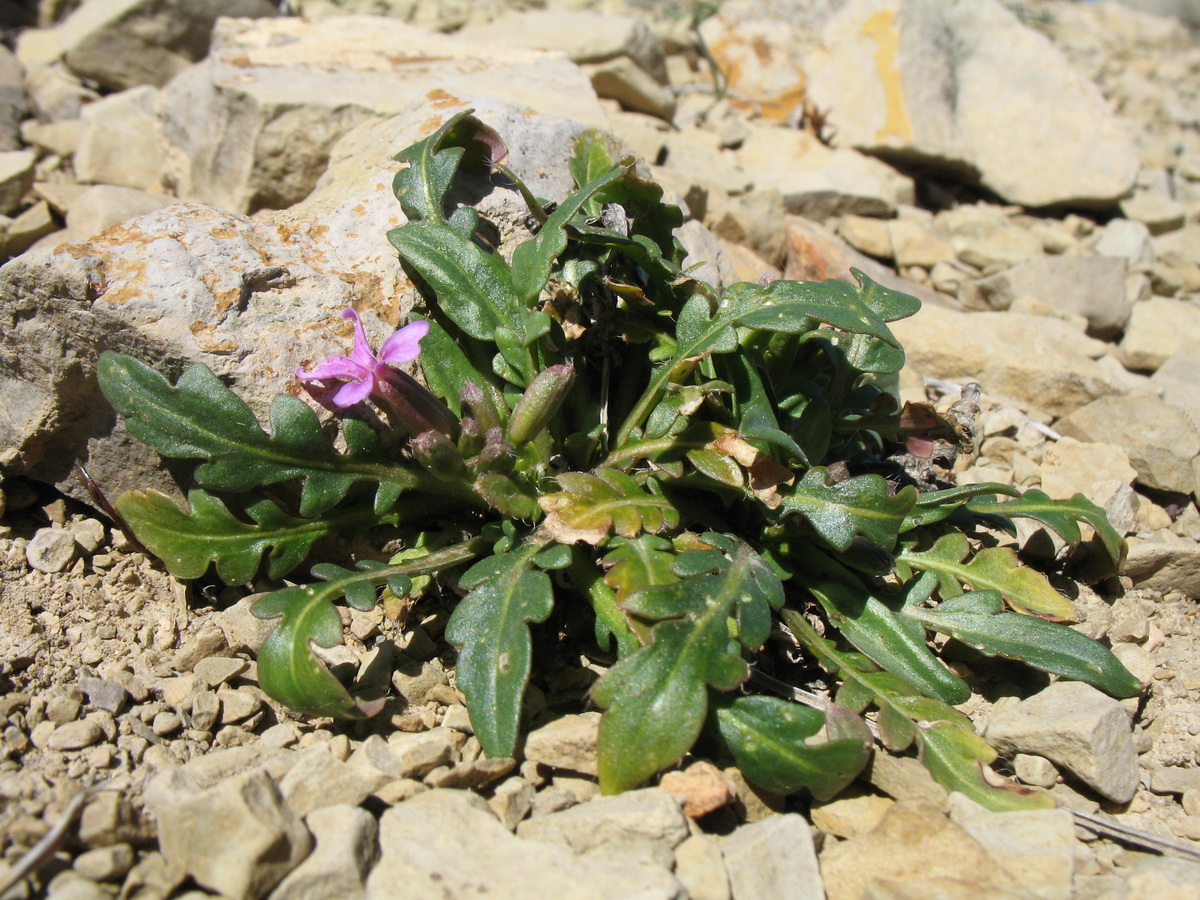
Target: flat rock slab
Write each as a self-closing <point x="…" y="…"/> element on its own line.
<point x="952" y="84"/>
<point x="441" y="844"/>
<point x="251" y="127"/>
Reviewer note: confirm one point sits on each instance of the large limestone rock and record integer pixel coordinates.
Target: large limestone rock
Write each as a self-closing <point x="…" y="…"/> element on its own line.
<point x="964" y="86"/>
<point x="124" y="43"/>
<point x="250" y="299"/>
<point x="251" y="127"/>
<point x="1037" y="361"/>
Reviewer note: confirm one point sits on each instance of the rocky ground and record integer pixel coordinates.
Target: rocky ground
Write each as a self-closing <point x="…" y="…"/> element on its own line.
<point x="1039" y="189"/>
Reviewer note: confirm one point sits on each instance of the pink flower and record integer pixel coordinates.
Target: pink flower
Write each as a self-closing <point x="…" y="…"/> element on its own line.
<point x="366" y="374"/>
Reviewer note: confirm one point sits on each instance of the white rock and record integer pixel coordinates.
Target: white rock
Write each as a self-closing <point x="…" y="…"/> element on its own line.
<point x="1158" y="329"/>
<point x="773" y="858"/>
<point x="419" y="753"/>
<point x="318" y="780"/>
<point x="953" y="83"/>
<point x="700" y="865"/>
<point x="252" y="126"/>
<point x="1071" y="467"/>
<point x="119" y="140"/>
<point x="985" y="236"/>
<point x="338" y="865"/>
<point x="50" y="550"/>
<point x="440" y="843"/>
<point x="1178" y="377"/>
<point x="1076" y="727"/>
<point x="238" y="838"/>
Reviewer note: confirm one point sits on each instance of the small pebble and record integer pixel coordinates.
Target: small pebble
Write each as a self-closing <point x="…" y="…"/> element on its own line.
<point x="105" y="863"/>
<point x="75" y="735"/>
<point x="216" y="670"/>
<point x="165" y="723"/>
<point x="104" y="694"/>
<point x="51" y="550"/>
<point x="63" y="708"/>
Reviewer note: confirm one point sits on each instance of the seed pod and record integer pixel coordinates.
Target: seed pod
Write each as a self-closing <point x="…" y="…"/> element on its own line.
<point x="437" y="453"/>
<point x="541" y="400"/>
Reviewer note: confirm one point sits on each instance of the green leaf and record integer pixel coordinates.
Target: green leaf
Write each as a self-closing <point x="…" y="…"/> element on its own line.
<point x="188" y="542"/>
<point x="449" y="369"/>
<point x="935" y="506"/>
<point x="592" y="506"/>
<point x="636" y="563"/>
<point x="287" y="668"/>
<point x="956" y="757"/>
<point x="200" y="418"/>
<point x="491" y="626"/>
<point x="531" y="261"/>
<point x="473" y="287"/>
<point x="887" y="639"/>
<point x="656" y="698"/>
<point x="795" y="307"/>
<point x="767" y="737"/>
<point x="842" y="510"/>
<point x="422" y="185"/>
<point x="1060" y="515"/>
<point x="991" y="569"/>
<point x="700" y="330"/>
<point x="979" y="620"/>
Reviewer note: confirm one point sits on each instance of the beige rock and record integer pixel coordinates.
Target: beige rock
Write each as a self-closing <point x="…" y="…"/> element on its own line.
<point x="852" y="813"/>
<point x="1153" y="205"/>
<point x="913" y="841"/>
<point x="59" y="138"/>
<point x="1177" y="378"/>
<point x="819" y="182"/>
<point x="1043" y="363"/>
<point x="583" y="35"/>
<point x="623" y="80"/>
<point x="761" y="57"/>
<point x="16" y="178"/>
<point x="700" y="865"/>
<point x="1178" y="248"/>
<point x="868" y="235"/>
<point x="1072" y="467"/>
<point x="1036" y="847"/>
<point x="252" y="126"/>
<point x="700" y="788"/>
<point x="1158" y="329"/>
<point x="754" y="219"/>
<point x="119" y="140"/>
<point x="103" y="205"/>
<point x="1161" y="441"/>
<point x="26" y="229"/>
<point x="1165" y="566"/>
<point x="773" y="858"/>
<point x="1088" y="286"/>
<point x="919" y="81"/>
<point x="915" y="245"/>
<point x="984" y="236"/>
<point x="1076" y="727"/>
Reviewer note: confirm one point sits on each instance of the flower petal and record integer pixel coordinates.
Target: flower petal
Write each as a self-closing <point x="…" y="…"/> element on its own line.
<point x="336" y="366"/>
<point x="404" y="345"/>
<point x="353" y="392"/>
<point x="361" y="353"/>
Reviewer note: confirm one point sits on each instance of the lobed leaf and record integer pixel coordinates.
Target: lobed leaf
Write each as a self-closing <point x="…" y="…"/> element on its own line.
<point x="200" y="418"/>
<point x="189" y="541"/>
<point x="994" y="569"/>
<point x="957" y="758"/>
<point x="490" y="625"/>
<point x="592" y="506"/>
<point x="839" y="511"/>
<point x="636" y="563"/>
